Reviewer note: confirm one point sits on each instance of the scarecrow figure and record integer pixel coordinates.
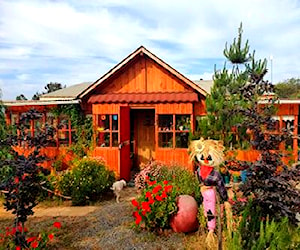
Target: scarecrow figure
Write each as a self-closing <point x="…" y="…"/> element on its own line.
<point x="207" y="155"/>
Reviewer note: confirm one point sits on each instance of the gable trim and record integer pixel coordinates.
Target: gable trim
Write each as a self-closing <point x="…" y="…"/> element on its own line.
<point x="142" y="50"/>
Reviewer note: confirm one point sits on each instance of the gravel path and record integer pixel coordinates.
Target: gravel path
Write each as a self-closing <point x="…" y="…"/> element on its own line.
<point x="108" y="225"/>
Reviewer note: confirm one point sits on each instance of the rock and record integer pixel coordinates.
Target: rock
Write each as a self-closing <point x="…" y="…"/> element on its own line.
<point x="186" y="218"/>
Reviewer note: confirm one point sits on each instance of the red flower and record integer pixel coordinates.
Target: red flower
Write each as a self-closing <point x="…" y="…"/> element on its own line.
<point x="145" y="206"/>
<point x="166" y="182"/>
<point x="18" y="248"/>
<point x="148" y="195"/>
<point x="138" y="219"/>
<point x="151" y="201"/>
<point x="164" y="194"/>
<point x="50" y="236"/>
<point x="57" y="224"/>
<point x="17" y="180"/>
<point x="31" y="239"/>
<point x="157" y="197"/>
<point x="135" y="214"/>
<point x="34" y="244"/>
<point x="156" y="189"/>
<point x="147" y="177"/>
<point x="135" y="203"/>
<point x="168" y="188"/>
<point x="144" y="213"/>
<point x="151" y="183"/>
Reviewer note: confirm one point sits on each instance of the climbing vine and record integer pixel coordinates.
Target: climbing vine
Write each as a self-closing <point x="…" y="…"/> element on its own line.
<point x="82" y="140"/>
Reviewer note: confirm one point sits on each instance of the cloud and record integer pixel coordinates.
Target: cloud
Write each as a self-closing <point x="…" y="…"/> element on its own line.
<point x="74" y="41"/>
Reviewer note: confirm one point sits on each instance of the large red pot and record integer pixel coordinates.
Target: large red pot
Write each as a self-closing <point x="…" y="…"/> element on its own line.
<point x="186" y="218"/>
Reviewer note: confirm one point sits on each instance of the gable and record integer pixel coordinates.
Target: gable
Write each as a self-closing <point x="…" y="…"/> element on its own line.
<point x="142" y="72"/>
<point x="143" y="75"/>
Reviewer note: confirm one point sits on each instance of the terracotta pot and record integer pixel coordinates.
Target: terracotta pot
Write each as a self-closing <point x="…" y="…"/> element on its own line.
<point x="186" y="218"/>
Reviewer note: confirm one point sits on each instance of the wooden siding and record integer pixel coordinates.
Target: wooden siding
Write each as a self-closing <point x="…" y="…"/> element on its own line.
<point x="141" y="76"/>
<point x="178" y="157"/>
<point x="174" y="108"/>
<point x="110" y="155"/>
<point x="287" y="109"/>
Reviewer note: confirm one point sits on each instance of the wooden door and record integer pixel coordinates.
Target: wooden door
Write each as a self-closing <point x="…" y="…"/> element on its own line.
<point x="144" y="135"/>
<point x="124" y="143"/>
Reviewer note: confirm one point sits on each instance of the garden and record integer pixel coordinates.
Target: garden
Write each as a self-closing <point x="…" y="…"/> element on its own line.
<point x="256" y="205"/>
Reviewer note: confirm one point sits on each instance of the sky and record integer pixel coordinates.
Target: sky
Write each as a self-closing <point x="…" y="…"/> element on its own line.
<point x="75" y="41"/>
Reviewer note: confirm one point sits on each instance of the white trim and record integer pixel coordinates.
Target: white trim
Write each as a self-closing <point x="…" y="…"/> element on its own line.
<point x="37" y="103"/>
<point x="288" y="118"/>
<point x="282" y="101"/>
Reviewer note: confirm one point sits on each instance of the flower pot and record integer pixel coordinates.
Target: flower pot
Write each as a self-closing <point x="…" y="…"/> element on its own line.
<point x="244" y="176"/>
<point x="185" y="220"/>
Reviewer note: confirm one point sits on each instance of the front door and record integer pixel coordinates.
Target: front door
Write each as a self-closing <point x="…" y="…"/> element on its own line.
<point x="124" y="143"/>
<point x="144" y="135"/>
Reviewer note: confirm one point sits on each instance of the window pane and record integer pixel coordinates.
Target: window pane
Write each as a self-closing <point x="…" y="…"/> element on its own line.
<point x="183" y="122"/>
<point x="103" y="122"/>
<point x="165" y="140"/>
<point x="38" y="126"/>
<point x="165" y="122"/>
<point x="63" y="138"/>
<point x="103" y="140"/>
<point x="114" y="122"/>
<point x="182" y="140"/>
<point x="115" y="141"/>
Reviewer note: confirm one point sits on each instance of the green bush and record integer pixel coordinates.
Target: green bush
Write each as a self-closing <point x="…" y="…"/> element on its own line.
<point x="88" y="180"/>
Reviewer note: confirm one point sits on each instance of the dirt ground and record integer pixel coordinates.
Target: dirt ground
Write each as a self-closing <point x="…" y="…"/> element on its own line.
<point x="106" y="225"/>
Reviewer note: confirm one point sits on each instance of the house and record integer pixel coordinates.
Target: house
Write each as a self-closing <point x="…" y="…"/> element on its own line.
<point x="142" y="109"/>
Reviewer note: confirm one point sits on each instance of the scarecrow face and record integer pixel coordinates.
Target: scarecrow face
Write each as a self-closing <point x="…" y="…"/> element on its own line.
<point x="205" y="159"/>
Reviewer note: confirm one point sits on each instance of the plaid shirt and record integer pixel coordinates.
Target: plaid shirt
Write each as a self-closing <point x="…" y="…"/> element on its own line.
<point x="214" y="179"/>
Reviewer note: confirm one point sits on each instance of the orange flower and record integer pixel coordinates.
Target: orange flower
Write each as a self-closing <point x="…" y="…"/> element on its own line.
<point x="57" y="224"/>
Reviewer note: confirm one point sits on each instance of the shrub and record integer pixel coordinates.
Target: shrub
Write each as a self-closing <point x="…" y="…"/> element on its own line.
<point x="88" y="180"/>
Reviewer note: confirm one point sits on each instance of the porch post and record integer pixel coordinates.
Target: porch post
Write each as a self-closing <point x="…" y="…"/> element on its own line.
<point x="281" y="146"/>
<point x="295" y="139"/>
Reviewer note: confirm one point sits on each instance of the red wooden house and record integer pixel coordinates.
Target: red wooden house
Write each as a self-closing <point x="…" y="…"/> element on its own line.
<point x="142" y="109"/>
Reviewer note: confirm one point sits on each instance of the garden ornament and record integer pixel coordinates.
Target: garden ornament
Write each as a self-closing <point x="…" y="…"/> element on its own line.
<point x="208" y="155"/>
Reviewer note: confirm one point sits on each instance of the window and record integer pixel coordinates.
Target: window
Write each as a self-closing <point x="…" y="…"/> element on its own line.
<point x="170" y="136"/>
<point x="107" y="131"/>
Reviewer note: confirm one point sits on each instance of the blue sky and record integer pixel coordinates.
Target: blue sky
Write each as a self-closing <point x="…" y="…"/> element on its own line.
<point x="74" y="41"/>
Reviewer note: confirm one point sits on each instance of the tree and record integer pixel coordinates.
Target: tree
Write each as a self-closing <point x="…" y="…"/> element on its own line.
<point x="219" y="123"/>
<point x="21" y="98"/>
<point x="53" y="86"/>
<point x="288" y="89"/>
<point x="24" y="184"/>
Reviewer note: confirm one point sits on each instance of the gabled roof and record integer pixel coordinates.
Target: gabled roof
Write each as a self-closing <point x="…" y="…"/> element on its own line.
<point x="205" y="84"/>
<point x="69" y="93"/>
<point x="143" y="50"/>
